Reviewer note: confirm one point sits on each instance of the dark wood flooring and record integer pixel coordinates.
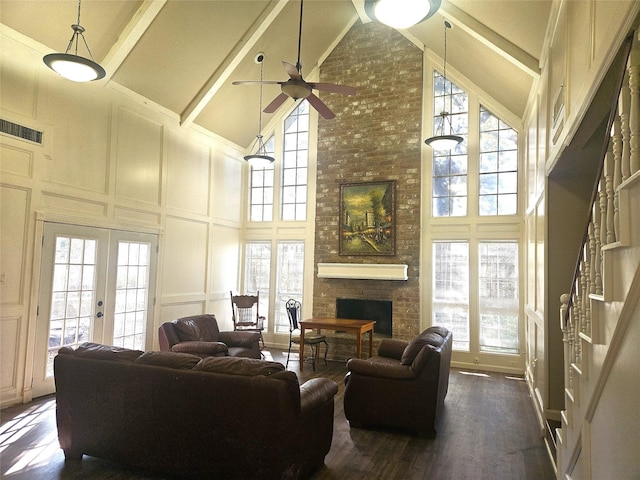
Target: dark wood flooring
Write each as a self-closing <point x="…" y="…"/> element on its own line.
<point x="488" y="431"/>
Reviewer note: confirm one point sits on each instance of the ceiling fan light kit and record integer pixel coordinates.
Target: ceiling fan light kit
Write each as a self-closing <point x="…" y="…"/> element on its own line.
<point x="296" y="89"/>
<point x="401" y="13"/>
<point x="441" y="141"/>
<point x="71" y="65"/>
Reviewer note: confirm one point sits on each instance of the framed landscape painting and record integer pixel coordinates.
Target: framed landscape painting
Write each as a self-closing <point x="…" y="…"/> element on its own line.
<point x="367" y="218"/>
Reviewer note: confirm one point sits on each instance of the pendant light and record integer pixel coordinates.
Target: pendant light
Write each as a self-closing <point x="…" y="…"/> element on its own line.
<point x="441" y="141"/>
<point x="71" y="65"/>
<point x="401" y="13"/>
<point x="260" y="159"/>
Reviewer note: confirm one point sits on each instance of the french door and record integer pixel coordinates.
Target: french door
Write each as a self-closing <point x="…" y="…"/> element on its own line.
<point x="95" y="286"/>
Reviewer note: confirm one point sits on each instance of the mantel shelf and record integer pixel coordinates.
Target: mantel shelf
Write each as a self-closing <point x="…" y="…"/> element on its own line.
<point x="363" y="271"/>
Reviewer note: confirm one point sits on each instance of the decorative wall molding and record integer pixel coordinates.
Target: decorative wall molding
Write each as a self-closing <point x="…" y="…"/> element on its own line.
<point x="363" y="271"/>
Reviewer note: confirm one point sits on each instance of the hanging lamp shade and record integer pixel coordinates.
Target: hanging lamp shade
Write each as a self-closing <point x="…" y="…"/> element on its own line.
<point x="401" y="13"/>
<point x="260" y="159"/>
<point x="71" y="65"/>
<point x="443" y="140"/>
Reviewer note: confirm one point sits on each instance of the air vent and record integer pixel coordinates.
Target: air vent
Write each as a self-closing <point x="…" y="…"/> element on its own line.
<point x="20" y="131"/>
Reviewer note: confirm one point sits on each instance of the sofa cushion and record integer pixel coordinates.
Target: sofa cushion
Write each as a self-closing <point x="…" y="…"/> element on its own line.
<point x="239" y="366"/>
<point x="202" y="328"/>
<point x="97" y="351"/>
<point x="430" y="336"/>
<point x="201" y="348"/>
<point x="179" y="361"/>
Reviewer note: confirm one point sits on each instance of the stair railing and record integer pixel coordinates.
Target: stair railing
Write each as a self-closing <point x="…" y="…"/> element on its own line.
<point x="621" y="159"/>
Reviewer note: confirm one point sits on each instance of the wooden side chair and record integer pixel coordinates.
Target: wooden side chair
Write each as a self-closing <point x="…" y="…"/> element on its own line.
<point x="294" y="309"/>
<point x="246" y="315"/>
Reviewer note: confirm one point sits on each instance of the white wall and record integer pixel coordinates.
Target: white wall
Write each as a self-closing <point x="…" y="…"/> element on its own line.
<point x="112" y="160"/>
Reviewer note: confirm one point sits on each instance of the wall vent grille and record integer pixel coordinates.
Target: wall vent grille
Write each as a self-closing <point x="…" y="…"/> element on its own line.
<point x="20" y="131"/>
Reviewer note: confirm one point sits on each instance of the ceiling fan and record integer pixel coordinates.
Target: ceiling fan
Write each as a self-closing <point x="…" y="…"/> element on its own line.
<point x="296" y="87"/>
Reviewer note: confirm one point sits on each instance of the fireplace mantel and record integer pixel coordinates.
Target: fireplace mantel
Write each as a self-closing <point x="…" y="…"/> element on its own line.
<point x="363" y="271"/>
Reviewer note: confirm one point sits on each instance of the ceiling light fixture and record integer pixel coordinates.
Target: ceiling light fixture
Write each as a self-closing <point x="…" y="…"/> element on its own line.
<point x="440" y="141"/>
<point x="260" y="159"/>
<point x="401" y="14"/>
<point x="71" y="65"/>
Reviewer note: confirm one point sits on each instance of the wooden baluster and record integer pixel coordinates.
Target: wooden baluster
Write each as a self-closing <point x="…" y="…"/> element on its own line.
<point x="597" y="262"/>
<point x="591" y="243"/>
<point x="634" y="108"/>
<point x="624" y="103"/>
<point x="586" y="288"/>
<point x="570" y="336"/>
<point x="576" y="320"/>
<point x="616" y="150"/>
<point x="608" y="177"/>
<point x="575" y="329"/>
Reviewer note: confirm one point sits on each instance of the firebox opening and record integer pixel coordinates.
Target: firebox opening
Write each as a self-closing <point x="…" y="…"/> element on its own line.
<point x="378" y="310"/>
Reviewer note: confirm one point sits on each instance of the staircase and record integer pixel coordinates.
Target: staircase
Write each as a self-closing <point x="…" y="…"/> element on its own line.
<point x="599" y="436"/>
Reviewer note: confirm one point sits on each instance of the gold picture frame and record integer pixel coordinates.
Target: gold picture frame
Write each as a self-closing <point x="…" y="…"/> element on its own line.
<point x="367" y="218"/>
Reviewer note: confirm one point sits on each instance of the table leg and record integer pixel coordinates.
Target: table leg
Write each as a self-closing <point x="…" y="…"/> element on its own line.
<point x="371" y="343"/>
<point x="301" y="349"/>
<point x="358" y="343"/>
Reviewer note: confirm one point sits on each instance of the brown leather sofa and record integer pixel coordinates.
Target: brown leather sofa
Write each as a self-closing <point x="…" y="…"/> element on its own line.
<point x="200" y="335"/>
<point x="403" y="386"/>
<point x="217" y="417"/>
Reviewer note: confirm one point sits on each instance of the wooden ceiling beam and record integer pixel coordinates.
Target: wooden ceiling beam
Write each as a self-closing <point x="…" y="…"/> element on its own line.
<point x="491" y="39"/>
<point x="241" y="49"/>
<point x="130" y="36"/>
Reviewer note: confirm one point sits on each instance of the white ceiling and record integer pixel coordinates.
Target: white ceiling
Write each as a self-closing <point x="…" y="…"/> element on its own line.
<point x="184" y="55"/>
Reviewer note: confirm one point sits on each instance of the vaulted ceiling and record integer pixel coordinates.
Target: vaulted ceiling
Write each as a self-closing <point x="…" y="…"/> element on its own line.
<point x="184" y="55"/>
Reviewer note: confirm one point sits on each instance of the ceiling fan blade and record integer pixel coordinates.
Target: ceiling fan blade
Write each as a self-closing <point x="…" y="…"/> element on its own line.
<point x="333" y="88"/>
<point x="275" y="103"/>
<point x="257" y="82"/>
<point x="320" y="107"/>
<point x="292" y="71"/>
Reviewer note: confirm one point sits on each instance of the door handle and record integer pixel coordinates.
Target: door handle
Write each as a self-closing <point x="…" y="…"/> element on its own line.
<point x="99" y="314"/>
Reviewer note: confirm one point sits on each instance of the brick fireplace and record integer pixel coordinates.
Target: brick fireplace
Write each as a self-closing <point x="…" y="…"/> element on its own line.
<point x="376" y="136"/>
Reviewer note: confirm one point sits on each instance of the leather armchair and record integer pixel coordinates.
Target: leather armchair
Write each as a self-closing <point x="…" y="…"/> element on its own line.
<point x="403" y="386"/>
<point x="199" y="335"/>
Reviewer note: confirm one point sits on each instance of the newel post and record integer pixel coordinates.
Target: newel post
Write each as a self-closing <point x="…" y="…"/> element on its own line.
<point x="565" y="325"/>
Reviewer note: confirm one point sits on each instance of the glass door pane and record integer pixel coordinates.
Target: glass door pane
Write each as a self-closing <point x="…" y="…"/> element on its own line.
<point x="132" y="293"/>
<point x="72" y="292"/>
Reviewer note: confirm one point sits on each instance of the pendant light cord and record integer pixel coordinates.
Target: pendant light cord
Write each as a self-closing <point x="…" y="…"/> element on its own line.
<point x="446" y="26"/>
<point x="78" y="31"/>
<point x="260" y="101"/>
<point x="444" y="113"/>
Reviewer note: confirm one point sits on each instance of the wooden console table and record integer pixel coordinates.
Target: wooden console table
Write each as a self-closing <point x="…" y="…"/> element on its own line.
<point x="338" y="324"/>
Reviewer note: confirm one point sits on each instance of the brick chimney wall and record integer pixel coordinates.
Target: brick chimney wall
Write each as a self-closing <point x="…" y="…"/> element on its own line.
<point x="376" y="136"/>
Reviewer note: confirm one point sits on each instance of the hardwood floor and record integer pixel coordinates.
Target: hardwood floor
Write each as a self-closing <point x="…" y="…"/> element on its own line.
<point x="487" y="431"/>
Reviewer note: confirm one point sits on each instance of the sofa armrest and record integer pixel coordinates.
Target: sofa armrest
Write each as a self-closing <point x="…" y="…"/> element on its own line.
<point x="195" y="347"/>
<point x="392" y="348"/>
<point x="316" y="392"/>
<point x="380" y="370"/>
<point x="240" y="338"/>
